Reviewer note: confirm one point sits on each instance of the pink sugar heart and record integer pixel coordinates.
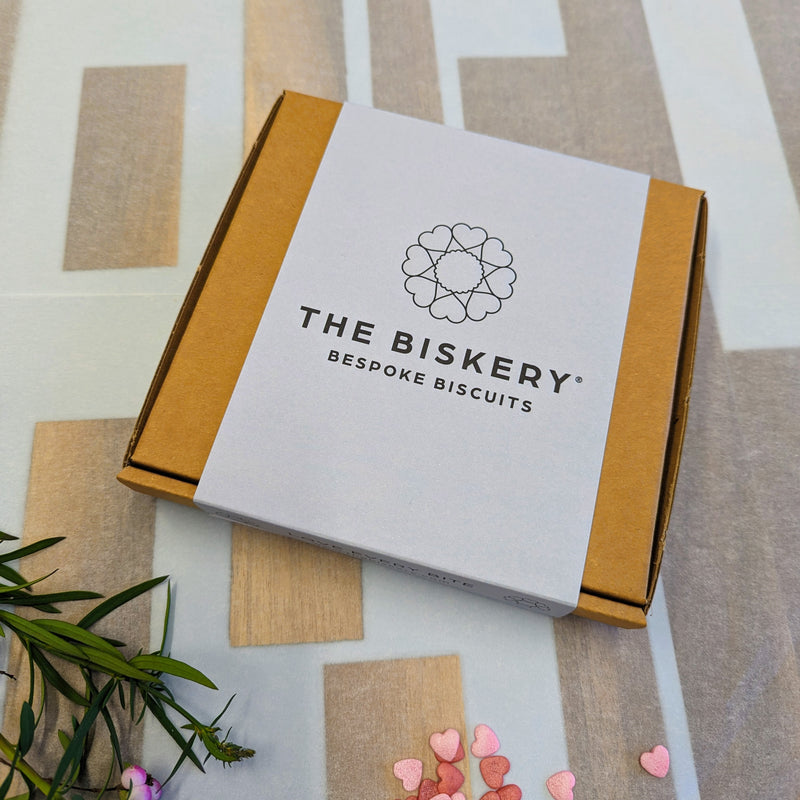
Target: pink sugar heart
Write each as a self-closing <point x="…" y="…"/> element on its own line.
<point x="458" y="796"/>
<point x="486" y="742"/>
<point x="450" y="778"/>
<point x="656" y="761"/>
<point x="509" y="792"/>
<point x="445" y="745"/>
<point x="494" y="769"/>
<point x="560" y="785"/>
<point x="409" y="771"/>
<point x="427" y="790"/>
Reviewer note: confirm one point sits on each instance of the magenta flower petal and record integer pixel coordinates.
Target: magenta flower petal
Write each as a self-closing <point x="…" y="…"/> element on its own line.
<point x="133" y="776"/>
<point x="141" y="792"/>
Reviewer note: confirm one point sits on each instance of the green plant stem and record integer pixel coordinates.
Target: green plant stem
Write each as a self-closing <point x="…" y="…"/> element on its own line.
<point x="22" y="766"/>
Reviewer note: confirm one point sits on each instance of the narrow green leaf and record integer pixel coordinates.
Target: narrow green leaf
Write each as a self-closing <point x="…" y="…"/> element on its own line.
<point x="219" y="716"/>
<point x="113" y="665"/>
<point x="55" y="597"/>
<point x="125" y="596"/>
<point x="27" y="726"/>
<point x="24" y="585"/>
<point x="167" y="608"/>
<point x="64" y="739"/>
<point x="6" y="785"/>
<point x="21" y="552"/>
<point x="172" y="667"/>
<point x="11" y="574"/>
<point x="33" y="630"/>
<point x="166" y="723"/>
<point x="113" y="737"/>
<point x="68" y="630"/>
<point x="7" y="537"/>
<point x="72" y="755"/>
<point x="54" y="678"/>
<point x="184" y="753"/>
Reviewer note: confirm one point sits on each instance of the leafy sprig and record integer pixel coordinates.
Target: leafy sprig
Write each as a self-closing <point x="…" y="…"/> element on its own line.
<point x="137" y="684"/>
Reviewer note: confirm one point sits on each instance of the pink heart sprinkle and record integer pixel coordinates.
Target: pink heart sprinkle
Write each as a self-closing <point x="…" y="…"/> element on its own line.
<point x="441" y="796"/>
<point x="445" y="744"/>
<point x="409" y="770"/>
<point x="656" y="761"/>
<point x="486" y="742"/>
<point x="560" y="785"/>
<point x="458" y="796"/>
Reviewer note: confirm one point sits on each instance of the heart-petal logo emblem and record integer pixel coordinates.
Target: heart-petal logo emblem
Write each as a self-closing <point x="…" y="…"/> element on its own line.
<point x="438" y="239"/>
<point x="469" y="237"/>
<point x="495" y="254"/>
<point x="423" y="290"/>
<point x="448" y="307"/>
<point x="480" y="305"/>
<point x="417" y="260"/>
<point x="500" y="282"/>
<point x="459" y="272"/>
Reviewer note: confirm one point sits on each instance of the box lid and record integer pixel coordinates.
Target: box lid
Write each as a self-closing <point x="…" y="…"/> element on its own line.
<point x="190" y="392"/>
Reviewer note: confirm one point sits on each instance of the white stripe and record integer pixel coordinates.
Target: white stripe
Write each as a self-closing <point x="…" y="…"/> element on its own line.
<point x="676" y="724"/>
<point x="355" y="15"/>
<point x="728" y="144"/>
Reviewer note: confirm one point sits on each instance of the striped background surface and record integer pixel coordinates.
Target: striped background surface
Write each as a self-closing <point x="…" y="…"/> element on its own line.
<point x="122" y="129"/>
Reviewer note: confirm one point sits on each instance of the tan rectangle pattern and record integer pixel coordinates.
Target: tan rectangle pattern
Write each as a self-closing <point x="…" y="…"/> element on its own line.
<point x="9" y="21"/>
<point x="602" y="101"/>
<point x="284" y="591"/>
<point x="612" y="711"/>
<point x="109" y="546"/>
<point x="378" y="712"/>
<point x="125" y="202"/>
<point x="405" y="76"/>
<point x="290" y="44"/>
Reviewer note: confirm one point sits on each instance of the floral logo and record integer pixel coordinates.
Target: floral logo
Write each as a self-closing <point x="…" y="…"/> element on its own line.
<point x="459" y="273"/>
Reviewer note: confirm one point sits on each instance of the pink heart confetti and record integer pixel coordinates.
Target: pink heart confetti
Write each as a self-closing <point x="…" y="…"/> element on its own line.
<point x="510" y="792"/>
<point x="409" y="771"/>
<point x="656" y="761"/>
<point x="445" y="745"/>
<point x="494" y="769"/>
<point x="450" y="778"/>
<point x="486" y="742"/>
<point x="560" y="785"/>
<point x="458" y="796"/>
<point x="427" y="790"/>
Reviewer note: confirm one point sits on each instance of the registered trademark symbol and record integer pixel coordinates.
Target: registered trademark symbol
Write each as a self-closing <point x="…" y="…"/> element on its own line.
<point x="578" y="379"/>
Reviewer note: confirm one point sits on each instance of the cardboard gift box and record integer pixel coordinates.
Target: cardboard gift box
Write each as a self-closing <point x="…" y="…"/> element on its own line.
<point x="463" y="358"/>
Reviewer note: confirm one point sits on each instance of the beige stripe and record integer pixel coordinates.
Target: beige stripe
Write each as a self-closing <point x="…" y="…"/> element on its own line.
<point x="9" y="21"/>
<point x="405" y="77"/>
<point x="773" y="444"/>
<point x="722" y="575"/>
<point x="125" y="203"/>
<point x="109" y="546"/>
<point x="603" y="101"/>
<point x="774" y="30"/>
<point x="284" y="591"/>
<point x="611" y="708"/>
<point x="378" y="712"/>
<point x="290" y="44"/>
